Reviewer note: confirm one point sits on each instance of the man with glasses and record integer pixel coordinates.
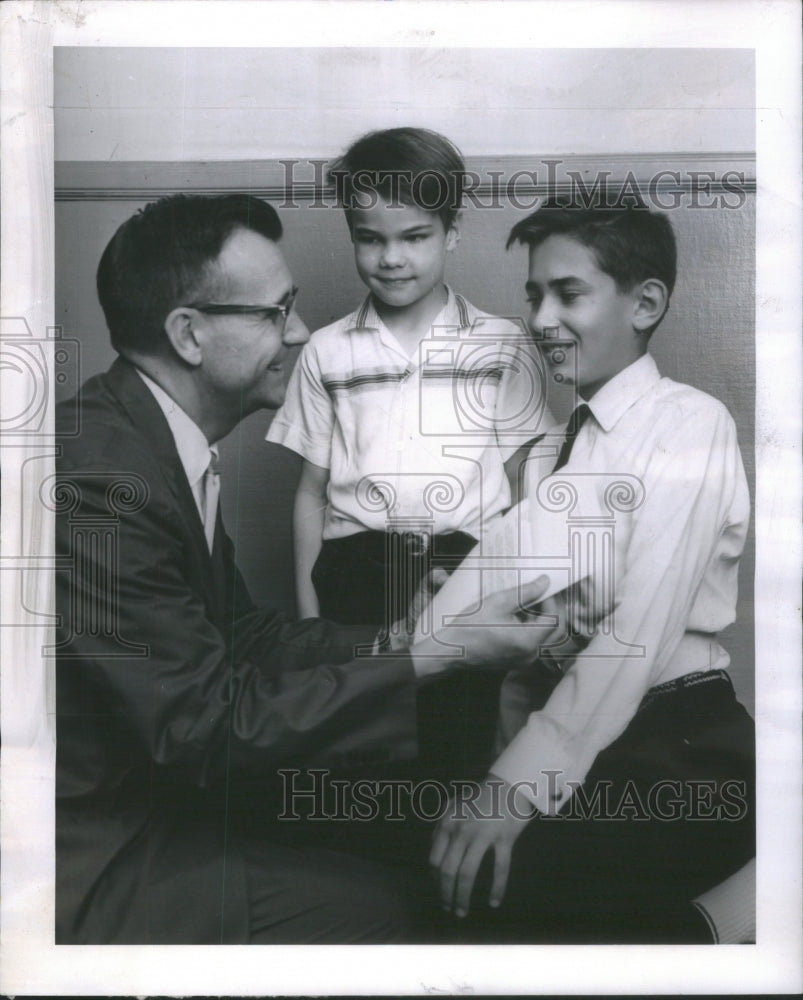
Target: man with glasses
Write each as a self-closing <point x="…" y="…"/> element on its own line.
<point x="177" y="700"/>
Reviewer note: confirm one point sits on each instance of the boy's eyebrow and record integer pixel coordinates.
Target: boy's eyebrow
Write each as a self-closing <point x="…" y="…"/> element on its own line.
<point x="419" y="227"/>
<point x="570" y="279"/>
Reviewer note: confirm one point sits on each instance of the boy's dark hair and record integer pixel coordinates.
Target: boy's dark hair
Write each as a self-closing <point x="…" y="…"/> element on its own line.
<point x="164" y="257"/>
<point x="408" y="166"/>
<point x="631" y="243"/>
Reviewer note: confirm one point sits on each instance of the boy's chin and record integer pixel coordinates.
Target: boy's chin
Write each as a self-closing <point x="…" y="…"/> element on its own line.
<point x="405" y="295"/>
<point x="399" y="299"/>
<point x="393" y="286"/>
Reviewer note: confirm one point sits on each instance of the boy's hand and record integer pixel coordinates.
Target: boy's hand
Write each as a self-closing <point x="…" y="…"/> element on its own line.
<point x="465" y="833"/>
<point x="427" y="589"/>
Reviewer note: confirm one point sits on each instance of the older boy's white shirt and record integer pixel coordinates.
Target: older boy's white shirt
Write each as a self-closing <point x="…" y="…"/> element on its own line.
<point x="194" y="451"/>
<point x="434" y="468"/>
<point x="675" y="575"/>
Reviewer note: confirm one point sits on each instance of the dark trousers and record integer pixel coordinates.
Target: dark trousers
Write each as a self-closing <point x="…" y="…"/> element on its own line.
<point x="666" y="812"/>
<point x="371" y="577"/>
<point x="310" y="895"/>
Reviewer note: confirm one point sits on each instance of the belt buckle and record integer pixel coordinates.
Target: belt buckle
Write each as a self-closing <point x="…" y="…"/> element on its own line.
<point x="416" y="542"/>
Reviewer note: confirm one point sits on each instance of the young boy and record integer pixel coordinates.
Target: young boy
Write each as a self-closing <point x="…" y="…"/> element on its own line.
<point x="406" y="409"/>
<point x="640" y="748"/>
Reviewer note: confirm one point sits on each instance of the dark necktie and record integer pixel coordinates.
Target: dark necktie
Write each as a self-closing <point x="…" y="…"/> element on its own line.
<point x="576" y="421"/>
<point x="219" y="574"/>
<point x="211" y="492"/>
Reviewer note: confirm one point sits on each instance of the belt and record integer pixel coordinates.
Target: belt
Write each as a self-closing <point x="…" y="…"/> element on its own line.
<point x="375" y="544"/>
<point x="685" y="683"/>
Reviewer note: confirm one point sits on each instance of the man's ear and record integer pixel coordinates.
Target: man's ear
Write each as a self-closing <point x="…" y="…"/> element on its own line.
<point x="652" y="299"/>
<point x="453" y="232"/>
<point x="183" y="336"/>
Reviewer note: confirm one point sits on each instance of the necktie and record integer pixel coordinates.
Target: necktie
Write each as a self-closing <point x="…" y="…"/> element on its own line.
<point x="211" y="492"/>
<point x="576" y="421"/>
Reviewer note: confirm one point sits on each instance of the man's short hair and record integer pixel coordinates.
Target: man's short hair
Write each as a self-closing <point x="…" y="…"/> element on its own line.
<point x="408" y="166"/>
<point x="165" y="256"/>
<point x="631" y="244"/>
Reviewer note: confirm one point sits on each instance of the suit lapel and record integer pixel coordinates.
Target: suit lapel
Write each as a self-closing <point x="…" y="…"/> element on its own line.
<point x="146" y="414"/>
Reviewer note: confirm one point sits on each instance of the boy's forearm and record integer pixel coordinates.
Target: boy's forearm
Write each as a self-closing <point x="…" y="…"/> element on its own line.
<point x="307" y="599"/>
<point x="308" y="517"/>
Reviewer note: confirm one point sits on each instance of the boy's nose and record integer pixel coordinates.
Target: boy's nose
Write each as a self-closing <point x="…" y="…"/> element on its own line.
<point x="295" y="330"/>
<point x="542" y="318"/>
<point x="392" y="255"/>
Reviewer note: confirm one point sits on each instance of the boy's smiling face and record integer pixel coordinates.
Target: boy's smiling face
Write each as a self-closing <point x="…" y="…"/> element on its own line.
<point x="567" y="289"/>
<point x="400" y="252"/>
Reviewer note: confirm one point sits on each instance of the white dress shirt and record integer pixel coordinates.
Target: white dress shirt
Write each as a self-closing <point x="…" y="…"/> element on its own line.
<point x="675" y="574"/>
<point x="195" y="454"/>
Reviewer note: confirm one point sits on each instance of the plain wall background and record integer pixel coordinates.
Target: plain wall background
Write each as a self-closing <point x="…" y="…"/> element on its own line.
<point x="196" y="106"/>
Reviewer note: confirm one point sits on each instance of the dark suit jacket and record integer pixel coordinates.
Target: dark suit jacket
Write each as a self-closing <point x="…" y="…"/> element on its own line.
<point x="176" y="699"/>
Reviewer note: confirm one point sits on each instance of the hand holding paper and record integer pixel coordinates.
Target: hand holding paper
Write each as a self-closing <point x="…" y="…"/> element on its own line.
<point x="505" y="558"/>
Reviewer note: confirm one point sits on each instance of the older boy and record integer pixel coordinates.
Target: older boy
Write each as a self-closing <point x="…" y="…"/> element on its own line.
<point x="633" y="782"/>
<point x="406" y="409"/>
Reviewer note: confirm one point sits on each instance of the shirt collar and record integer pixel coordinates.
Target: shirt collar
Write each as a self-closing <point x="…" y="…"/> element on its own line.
<point x="610" y="403"/>
<point x="454" y="314"/>
<point x="193" y="449"/>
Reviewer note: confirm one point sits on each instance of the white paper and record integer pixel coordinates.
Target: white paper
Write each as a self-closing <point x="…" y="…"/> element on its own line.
<point x="527" y="543"/>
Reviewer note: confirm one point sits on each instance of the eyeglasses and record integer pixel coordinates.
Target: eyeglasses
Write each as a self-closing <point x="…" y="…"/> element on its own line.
<point x="263" y="312"/>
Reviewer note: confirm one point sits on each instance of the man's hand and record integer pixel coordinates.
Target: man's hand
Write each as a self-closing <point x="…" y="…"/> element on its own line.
<point x="463" y="836"/>
<point x="501" y="636"/>
<point x="400" y="633"/>
<point x="569" y="620"/>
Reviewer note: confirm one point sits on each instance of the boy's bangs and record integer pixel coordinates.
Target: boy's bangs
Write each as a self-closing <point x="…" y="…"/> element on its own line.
<point x="428" y="190"/>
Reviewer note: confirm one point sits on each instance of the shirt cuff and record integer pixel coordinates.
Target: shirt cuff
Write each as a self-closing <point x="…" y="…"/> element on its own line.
<point x="538" y="766"/>
<point x="730" y="907"/>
